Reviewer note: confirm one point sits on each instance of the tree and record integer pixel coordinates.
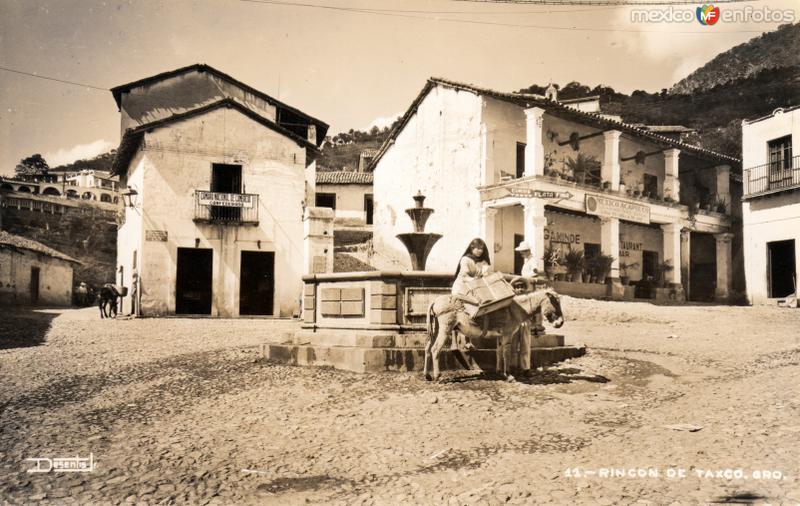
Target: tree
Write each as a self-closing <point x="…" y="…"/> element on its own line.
<point x="34" y="165"/>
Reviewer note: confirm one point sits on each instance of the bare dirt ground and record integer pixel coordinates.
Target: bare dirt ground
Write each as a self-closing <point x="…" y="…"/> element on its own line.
<point x="183" y="411"/>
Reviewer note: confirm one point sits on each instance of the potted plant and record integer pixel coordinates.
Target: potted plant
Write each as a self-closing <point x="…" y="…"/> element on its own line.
<point x="603" y="266"/>
<point x="623" y="272"/>
<point x="582" y="166"/>
<point x="552" y="259"/>
<point x="663" y="268"/>
<point x="721" y="205"/>
<point x="575" y="262"/>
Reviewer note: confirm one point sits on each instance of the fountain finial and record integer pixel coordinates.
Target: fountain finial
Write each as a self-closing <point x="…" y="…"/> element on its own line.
<point x="419" y="243"/>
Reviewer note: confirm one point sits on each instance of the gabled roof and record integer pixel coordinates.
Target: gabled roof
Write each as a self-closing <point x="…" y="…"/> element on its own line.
<point x="344" y="177"/>
<point x="133" y="136"/>
<point x="16" y="242"/>
<point x="117" y="91"/>
<point x="554" y="108"/>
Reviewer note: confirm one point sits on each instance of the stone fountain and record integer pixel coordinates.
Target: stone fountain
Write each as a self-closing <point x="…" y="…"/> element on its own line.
<point x="419" y="243"/>
<point x="376" y="320"/>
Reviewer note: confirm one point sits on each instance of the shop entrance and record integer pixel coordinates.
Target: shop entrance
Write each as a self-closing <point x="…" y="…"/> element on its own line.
<point x="193" y="283"/>
<point x="781" y="269"/>
<point x="257" y="283"/>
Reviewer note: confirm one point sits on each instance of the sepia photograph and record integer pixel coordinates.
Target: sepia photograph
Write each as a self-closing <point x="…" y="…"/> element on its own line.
<point x="399" y="252"/>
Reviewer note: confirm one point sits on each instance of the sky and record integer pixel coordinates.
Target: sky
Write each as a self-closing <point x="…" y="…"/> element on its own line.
<point x="350" y="63"/>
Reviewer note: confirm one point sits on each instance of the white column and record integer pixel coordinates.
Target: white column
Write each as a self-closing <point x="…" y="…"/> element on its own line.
<point x="534" y="150"/>
<point x="724" y="266"/>
<point x="534" y="225"/>
<point x="672" y="251"/>
<point x="609" y="171"/>
<point x="609" y="243"/>
<point x="686" y="264"/>
<point x="488" y="215"/>
<point x="672" y="182"/>
<point x="317" y="240"/>
<point x="723" y="173"/>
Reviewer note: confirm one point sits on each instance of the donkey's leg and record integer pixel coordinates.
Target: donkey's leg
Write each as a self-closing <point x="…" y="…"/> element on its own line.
<point x="436" y="350"/>
<point x="428" y="343"/>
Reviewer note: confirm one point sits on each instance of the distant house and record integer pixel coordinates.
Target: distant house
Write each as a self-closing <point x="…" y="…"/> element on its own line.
<point x="349" y="194"/>
<point x="771" y="204"/>
<point x="216" y="173"/>
<point x="32" y="273"/>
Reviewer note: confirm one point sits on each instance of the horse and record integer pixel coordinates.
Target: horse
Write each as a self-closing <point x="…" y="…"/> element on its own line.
<point x="107" y="299"/>
<point x="444" y="316"/>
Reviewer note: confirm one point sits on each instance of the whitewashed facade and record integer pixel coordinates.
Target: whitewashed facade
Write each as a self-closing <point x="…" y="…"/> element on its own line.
<point x="771" y="204"/>
<point x="497" y="166"/>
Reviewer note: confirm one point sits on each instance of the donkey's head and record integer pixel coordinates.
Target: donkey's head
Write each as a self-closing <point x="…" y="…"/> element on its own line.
<point x="547" y="301"/>
<point x="551" y="308"/>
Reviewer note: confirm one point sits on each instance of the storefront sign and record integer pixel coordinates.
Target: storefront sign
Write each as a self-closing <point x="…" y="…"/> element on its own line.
<point x="562" y="237"/>
<point x="224" y="199"/>
<point x="155" y="235"/>
<point x="613" y="208"/>
<point x="537" y="194"/>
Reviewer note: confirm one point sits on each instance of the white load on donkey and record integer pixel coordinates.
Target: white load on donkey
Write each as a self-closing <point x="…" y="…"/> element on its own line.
<point x="490" y="309"/>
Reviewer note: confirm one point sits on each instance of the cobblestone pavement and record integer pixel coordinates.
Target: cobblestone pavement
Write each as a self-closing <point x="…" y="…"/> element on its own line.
<point x="183" y="411"/>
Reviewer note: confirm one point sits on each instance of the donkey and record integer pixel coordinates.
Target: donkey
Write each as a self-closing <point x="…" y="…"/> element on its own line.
<point x="444" y="317"/>
<point x="107" y="299"/>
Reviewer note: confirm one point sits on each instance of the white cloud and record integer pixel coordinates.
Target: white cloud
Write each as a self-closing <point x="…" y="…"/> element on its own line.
<point x="78" y="152"/>
<point x="383" y="121"/>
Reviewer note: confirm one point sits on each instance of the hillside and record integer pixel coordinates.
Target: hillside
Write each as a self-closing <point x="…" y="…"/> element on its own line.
<point x="780" y="48"/>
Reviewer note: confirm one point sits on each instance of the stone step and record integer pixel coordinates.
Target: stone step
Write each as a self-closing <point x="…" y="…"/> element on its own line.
<point x="333" y="338"/>
<point x="359" y="359"/>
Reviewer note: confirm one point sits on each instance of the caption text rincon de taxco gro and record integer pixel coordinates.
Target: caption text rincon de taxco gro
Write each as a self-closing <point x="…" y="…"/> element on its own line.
<point x="675" y="473"/>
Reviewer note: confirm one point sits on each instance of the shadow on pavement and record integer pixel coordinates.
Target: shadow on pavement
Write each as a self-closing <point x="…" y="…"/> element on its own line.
<point x="544" y="377"/>
<point x="24" y="327"/>
<point x="740" y="498"/>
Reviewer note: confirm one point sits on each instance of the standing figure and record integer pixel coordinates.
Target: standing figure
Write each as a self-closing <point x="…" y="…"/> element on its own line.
<point x="531" y="275"/>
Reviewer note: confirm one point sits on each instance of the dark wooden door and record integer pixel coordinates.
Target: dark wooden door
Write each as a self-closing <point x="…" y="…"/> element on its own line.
<point x="226" y="179"/>
<point x="34" y="285"/>
<point x="193" y="284"/>
<point x="257" y="283"/>
<point x="781" y="269"/>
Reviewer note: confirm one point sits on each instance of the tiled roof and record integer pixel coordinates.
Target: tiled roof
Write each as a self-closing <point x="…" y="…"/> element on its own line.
<point x="17" y="242"/>
<point x="564" y="111"/>
<point x="117" y="91"/>
<point x="133" y="136"/>
<point x="344" y="177"/>
<point x="342" y="262"/>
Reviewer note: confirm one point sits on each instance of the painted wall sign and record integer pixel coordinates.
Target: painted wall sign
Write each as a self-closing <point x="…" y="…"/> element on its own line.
<point x="563" y="237"/>
<point x="224" y="199"/>
<point x="537" y="194"/>
<point x="613" y="208"/>
<point x="155" y="235"/>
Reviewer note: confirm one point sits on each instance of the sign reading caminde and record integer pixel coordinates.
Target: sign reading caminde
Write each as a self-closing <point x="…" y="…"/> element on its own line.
<point x="613" y="208"/>
<point x="225" y="199"/>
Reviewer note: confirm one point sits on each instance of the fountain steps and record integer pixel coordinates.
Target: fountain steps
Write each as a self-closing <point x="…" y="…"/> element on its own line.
<point x="376" y="352"/>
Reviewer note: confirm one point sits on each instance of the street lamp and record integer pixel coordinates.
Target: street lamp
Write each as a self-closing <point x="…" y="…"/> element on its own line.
<point x="129" y="197"/>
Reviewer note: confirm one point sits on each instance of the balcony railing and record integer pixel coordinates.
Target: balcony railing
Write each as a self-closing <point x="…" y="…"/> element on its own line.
<point x="225" y="208"/>
<point x="772" y="177"/>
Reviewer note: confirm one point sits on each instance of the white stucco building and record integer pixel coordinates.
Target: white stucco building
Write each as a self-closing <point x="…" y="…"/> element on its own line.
<point x="508" y="167"/>
<point x="34" y="274"/>
<point x="348" y="193"/>
<point x="216" y="175"/>
<point x="771" y="204"/>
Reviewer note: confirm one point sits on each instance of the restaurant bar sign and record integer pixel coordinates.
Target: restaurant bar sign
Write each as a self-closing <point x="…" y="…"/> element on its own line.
<point x="613" y="208"/>
<point x="225" y="199"/>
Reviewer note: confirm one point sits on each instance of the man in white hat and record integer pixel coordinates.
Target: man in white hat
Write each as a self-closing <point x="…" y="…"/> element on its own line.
<point x="529" y="265"/>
